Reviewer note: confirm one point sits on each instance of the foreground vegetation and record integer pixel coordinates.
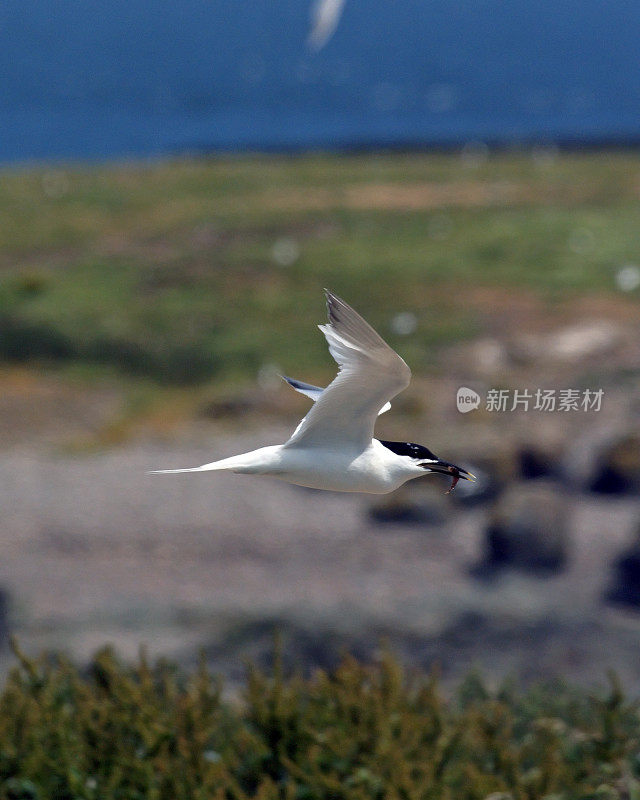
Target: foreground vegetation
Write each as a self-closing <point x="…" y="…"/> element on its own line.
<point x="147" y="731"/>
<point x="191" y="270"/>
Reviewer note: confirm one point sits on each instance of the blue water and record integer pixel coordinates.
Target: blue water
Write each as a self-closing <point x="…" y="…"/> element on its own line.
<point x="97" y="79"/>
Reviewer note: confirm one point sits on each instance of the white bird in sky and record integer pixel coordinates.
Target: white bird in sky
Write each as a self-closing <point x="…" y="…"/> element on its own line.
<point x="325" y="17"/>
<point x="333" y="447"/>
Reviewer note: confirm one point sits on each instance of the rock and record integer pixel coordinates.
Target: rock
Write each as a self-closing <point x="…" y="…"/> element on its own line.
<point x="527" y="530"/>
<point x="490" y="355"/>
<point x="584" y="339"/>
<point x="533" y="462"/>
<point x="604" y="461"/>
<point x="617" y="466"/>
<point x="573" y="343"/>
<point x="625" y="585"/>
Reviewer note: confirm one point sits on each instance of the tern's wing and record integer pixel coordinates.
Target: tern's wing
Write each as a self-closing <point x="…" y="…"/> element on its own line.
<point x="314" y="392"/>
<point x="371" y="373"/>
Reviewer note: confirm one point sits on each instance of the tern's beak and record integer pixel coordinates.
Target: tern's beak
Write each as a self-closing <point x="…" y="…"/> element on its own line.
<point x="445" y="468"/>
<point x="468" y="476"/>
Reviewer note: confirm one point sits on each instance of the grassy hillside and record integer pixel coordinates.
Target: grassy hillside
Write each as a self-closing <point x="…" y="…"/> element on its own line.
<point x="190" y="270"/>
<point x="360" y="732"/>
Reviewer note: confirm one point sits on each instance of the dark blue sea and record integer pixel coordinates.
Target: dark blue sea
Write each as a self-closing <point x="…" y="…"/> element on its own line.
<point x="96" y="79"/>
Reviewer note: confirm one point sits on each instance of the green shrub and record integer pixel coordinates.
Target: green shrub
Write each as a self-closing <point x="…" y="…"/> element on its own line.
<point x="150" y="731"/>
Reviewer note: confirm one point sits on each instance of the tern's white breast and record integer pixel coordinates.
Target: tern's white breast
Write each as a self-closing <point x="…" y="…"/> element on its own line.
<point x="375" y="470"/>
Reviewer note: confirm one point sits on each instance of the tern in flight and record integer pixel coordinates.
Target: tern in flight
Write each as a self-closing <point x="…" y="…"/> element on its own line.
<point x="333" y="447"/>
<point x="325" y="18"/>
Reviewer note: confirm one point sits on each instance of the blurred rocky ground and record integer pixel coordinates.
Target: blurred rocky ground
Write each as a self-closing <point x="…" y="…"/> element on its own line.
<point x="533" y="572"/>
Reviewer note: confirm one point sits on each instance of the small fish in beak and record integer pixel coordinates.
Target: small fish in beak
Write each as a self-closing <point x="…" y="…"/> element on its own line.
<point x="456" y="477"/>
<point x="456" y="473"/>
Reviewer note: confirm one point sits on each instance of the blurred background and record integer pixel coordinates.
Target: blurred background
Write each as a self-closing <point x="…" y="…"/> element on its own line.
<point x="178" y="183"/>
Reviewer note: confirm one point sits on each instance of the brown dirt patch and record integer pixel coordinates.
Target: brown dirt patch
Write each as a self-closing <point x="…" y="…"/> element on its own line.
<point x="427" y="195"/>
<point x="38" y="409"/>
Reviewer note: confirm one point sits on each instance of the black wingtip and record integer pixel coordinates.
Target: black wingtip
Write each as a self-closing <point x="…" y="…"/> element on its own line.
<point x="331" y="296"/>
<point x="333" y="305"/>
<point x="330" y="299"/>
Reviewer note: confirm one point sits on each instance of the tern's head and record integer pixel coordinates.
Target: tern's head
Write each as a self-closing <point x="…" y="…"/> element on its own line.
<point x="423" y="458"/>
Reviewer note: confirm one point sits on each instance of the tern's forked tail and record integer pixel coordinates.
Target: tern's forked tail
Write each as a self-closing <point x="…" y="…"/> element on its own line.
<point x="253" y="462"/>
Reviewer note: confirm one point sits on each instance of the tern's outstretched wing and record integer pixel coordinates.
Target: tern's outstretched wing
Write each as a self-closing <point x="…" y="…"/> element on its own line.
<point x="314" y="392"/>
<point x="371" y="373"/>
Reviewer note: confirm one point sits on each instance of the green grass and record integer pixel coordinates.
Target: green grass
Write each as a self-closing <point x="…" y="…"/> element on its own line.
<point x="117" y="732"/>
<point x="167" y="270"/>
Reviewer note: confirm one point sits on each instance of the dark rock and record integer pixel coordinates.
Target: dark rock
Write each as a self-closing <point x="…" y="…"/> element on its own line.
<point x="527" y="530"/>
<point x="605" y="462"/>
<point x="535" y="463"/>
<point x="617" y="466"/>
<point x="625" y="586"/>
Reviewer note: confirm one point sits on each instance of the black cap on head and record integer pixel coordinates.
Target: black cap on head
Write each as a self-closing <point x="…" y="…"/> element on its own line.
<point x="410" y="449"/>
